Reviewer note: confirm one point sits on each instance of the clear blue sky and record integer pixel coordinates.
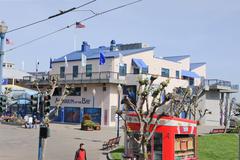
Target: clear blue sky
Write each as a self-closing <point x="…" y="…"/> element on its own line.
<point x="208" y="30"/>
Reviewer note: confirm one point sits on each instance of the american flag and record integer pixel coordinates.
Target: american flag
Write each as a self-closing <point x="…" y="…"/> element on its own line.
<point x="79" y="25"/>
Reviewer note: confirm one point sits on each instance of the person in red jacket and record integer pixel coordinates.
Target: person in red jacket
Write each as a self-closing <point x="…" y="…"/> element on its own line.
<point x="81" y="153"/>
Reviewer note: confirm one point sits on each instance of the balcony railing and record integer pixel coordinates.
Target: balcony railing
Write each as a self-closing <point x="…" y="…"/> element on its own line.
<point x="217" y="82"/>
<point x="104" y="77"/>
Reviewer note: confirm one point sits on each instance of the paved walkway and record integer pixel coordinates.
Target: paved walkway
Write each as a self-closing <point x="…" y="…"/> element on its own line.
<point x="62" y="144"/>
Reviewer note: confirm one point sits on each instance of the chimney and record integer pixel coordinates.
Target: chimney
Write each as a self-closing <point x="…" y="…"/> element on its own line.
<point x="113" y="46"/>
<point x="85" y="46"/>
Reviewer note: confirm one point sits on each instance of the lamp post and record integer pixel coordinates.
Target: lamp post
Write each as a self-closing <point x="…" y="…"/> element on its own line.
<point x="94" y="93"/>
<point x="3" y="30"/>
<point x="119" y="88"/>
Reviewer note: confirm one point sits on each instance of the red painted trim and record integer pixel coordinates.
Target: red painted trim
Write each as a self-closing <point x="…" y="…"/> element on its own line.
<point x="167" y="117"/>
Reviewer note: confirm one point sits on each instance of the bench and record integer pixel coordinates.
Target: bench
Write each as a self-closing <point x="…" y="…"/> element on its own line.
<point x="113" y="142"/>
<point x="215" y="131"/>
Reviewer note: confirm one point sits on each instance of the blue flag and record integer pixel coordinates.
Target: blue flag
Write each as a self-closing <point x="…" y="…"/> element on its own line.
<point x="101" y="58"/>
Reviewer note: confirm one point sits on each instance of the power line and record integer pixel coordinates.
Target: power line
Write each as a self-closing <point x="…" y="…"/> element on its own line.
<point x="53" y="16"/>
<point x="61" y="29"/>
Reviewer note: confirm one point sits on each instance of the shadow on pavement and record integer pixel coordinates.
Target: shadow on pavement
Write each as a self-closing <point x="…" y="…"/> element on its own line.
<point x="92" y="140"/>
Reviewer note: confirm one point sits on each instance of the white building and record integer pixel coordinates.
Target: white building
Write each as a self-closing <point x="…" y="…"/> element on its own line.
<point x="96" y="85"/>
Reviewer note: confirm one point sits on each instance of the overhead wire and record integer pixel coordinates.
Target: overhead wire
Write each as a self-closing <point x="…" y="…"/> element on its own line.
<point x="66" y="27"/>
<point x="51" y="17"/>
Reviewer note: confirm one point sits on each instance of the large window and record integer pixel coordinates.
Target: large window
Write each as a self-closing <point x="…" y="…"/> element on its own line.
<point x="123" y="70"/>
<point x="62" y="72"/>
<point x="136" y="70"/>
<point x="76" y="91"/>
<point x="145" y="70"/>
<point x="177" y="74"/>
<point x="89" y="70"/>
<point x="75" y="71"/>
<point x="57" y="92"/>
<point x="165" y="72"/>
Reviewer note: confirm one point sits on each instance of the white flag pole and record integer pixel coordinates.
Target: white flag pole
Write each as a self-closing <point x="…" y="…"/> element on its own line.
<point x="74" y="40"/>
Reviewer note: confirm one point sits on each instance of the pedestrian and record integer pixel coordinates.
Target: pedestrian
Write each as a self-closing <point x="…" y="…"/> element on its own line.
<point x="81" y="153"/>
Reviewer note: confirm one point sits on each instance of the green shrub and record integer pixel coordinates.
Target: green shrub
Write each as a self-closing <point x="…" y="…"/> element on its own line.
<point x="88" y="123"/>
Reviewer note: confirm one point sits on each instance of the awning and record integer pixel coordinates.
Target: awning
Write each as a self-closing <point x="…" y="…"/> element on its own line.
<point x="190" y="74"/>
<point x="139" y="63"/>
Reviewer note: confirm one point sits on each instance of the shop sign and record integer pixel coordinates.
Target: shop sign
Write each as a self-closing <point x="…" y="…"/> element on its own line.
<point x="74" y="101"/>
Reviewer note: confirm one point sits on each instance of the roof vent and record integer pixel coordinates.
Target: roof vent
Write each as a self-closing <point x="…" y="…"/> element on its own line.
<point x="113" y="46"/>
<point x="85" y="46"/>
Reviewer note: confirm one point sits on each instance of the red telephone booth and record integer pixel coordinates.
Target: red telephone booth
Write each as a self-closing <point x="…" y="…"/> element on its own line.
<point x="174" y="138"/>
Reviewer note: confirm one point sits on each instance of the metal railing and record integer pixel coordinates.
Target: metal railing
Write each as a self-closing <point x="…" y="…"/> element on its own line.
<point x="92" y="76"/>
<point x="217" y="82"/>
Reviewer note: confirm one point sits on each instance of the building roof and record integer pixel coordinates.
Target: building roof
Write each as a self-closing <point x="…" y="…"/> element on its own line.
<point x="176" y="58"/>
<point x="190" y="74"/>
<point x="10" y="73"/>
<point x="196" y="65"/>
<point x="94" y="53"/>
<point x="19" y="90"/>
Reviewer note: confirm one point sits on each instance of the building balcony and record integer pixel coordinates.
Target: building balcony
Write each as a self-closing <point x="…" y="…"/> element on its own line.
<point x="93" y="77"/>
<point x="221" y="85"/>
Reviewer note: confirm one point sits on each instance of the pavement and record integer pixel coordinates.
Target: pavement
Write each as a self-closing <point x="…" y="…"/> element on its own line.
<point x="20" y="143"/>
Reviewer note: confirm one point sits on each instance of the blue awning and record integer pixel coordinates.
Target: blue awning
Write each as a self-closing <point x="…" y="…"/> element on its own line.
<point x="139" y="63"/>
<point x="190" y="74"/>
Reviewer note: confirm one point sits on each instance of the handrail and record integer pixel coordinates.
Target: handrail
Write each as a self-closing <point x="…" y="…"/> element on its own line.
<point x="215" y="82"/>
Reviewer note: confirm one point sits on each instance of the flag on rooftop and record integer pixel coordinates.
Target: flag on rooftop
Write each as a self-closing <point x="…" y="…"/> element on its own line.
<point x="84" y="60"/>
<point x="79" y="25"/>
<point x="66" y="61"/>
<point x="101" y="58"/>
<point x="9" y="42"/>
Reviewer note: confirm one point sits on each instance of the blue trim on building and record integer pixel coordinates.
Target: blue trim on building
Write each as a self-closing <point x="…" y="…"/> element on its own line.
<point x="196" y="65"/>
<point x="139" y="63"/>
<point x="189" y="74"/>
<point x="176" y="58"/>
<point x="94" y="54"/>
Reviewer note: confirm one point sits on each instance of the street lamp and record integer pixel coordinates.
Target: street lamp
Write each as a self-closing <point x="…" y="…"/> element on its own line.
<point x="3" y="30"/>
<point x="94" y="93"/>
<point x="119" y="88"/>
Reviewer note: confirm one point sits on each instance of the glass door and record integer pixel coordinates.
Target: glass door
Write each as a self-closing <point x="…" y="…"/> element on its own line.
<point x="157" y="146"/>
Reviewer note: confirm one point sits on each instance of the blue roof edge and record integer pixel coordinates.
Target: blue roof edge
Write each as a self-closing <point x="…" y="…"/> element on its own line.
<point x="144" y="49"/>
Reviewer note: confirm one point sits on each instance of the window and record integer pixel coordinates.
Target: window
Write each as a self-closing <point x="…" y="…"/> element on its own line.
<point x="165" y="72"/>
<point x="75" y="71"/>
<point x="76" y="91"/>
<point x="62" y="72"/>
<point x="135" y="70"/>
<point x="104" y="87"/>
<point x="57" y="92"/>
<point x="123" y="70"/>
<point x="85" y="89"/>
<point x="177" y="74"/>
<point x="89" y="70"/>
<point x="145" y="70"/>
<point x="191" y="81"/>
